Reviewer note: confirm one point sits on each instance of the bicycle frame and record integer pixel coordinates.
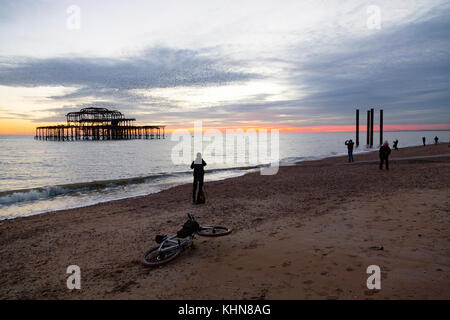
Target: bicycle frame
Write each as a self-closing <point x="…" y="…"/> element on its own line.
<point x="169" y="243"/>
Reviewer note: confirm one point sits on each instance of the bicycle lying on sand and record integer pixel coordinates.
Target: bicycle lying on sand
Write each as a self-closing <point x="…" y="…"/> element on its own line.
<point x="170" y="247"/>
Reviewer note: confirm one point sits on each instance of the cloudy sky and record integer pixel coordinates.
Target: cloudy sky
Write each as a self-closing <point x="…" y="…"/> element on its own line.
<point x="295" y="65"/>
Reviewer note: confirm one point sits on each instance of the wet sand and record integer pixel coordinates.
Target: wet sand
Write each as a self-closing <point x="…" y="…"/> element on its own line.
<point x="309" y="232"/>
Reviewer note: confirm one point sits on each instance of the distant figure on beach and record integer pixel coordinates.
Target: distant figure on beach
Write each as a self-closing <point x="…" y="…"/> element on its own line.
<point x="385" y="151"/>
<point x="436" y="139"/>
<point x="395" y="145"/>
<point x="423" y="140"/>
<point x="349" y="144"/>
<point x="199" y="174"/>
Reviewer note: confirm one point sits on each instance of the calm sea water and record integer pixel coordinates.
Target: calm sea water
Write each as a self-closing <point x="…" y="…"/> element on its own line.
<point x="41" y="176"/>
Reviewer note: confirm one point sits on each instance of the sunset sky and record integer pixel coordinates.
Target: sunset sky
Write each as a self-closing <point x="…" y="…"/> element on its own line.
<point x="294" y="65"/>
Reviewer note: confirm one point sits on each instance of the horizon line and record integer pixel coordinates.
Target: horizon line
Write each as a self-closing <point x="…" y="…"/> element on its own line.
<point x="304" y="129"/>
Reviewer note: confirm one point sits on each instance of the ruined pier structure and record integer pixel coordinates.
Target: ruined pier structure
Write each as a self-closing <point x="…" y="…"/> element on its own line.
<point x="98" y="124"/>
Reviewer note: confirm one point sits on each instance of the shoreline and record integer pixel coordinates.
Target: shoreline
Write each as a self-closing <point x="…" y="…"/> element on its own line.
<point x="313" y="224"/>
<point x="162" y="187"/>
<point x="122" y="181"/>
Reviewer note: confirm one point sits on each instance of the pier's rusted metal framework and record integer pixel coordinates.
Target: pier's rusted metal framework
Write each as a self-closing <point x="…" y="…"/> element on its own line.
<point x="98" y="124"/>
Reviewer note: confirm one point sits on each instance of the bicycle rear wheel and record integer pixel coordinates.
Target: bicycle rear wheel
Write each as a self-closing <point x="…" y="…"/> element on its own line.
<point x="214" y="231"/>
<point x="154" y="257"/>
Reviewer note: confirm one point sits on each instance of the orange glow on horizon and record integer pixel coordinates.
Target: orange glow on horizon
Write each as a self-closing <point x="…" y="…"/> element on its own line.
<point x="20" y="127"/>
<point x="23" y="127"/>
<point x="316" y="129"/>
<point x="16" y="127"/>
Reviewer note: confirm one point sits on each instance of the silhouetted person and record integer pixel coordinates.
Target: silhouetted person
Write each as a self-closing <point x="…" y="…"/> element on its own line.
<point x="423" y="140"/>
<point x="395" y="145"/>
<point x="199" y="174"/>
<point x="436" y="139"/>
<point x="385" y="151"/>
<point x="349" y="144"/>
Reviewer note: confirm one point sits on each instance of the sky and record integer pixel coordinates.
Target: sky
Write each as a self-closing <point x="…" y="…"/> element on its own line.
<point x="293" y="65"/>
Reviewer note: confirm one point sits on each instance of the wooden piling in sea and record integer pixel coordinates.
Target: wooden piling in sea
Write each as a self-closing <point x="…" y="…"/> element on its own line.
<point x="368" y="128"/>
<point x="357" y="127"/>
<point x="381" y="127"/>
<point x="371" y="126"/>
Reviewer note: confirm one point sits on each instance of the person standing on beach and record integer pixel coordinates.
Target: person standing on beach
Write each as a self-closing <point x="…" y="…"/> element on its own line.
<point x="349" y="144"/>
<point x="199" y="173"/>
<point x="423" y="140"/>
<point x="395" y="144"/>
<point x="436" y="139"/>
<point x="385" y="151"/>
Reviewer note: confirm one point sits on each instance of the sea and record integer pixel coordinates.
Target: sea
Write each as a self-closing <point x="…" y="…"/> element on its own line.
<point x="41" y="176"/>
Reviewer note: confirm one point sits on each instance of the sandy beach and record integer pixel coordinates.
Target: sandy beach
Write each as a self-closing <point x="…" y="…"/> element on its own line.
<point x="309" y="232"/>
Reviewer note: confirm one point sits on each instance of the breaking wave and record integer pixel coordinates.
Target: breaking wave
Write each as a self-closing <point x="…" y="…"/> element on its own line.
<point x="12" y="197"/>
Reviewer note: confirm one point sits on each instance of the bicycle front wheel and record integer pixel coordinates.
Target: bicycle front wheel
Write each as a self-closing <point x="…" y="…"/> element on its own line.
<point x="214" y="231"/>
<point x="154" y="257"/>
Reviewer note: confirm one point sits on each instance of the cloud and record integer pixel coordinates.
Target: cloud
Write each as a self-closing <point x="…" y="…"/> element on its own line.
<point x="111" y="81"/>
<point x="154" y="68"/>
<point x="402" y="69"/>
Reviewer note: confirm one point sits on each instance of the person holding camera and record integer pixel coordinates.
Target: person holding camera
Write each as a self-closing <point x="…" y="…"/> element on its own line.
<point x="199" y="172"/>
<point x="349" y="144"/>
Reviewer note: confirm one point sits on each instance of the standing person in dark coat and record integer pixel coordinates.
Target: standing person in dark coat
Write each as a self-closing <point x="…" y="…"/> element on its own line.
<point x="395" y="144"/>
<point x="349" y="144"/>
<point x="385" y="151"/>
<point x="199" y="173"/>
<point x="423" y="140"/>
<point x="436" y="139"/>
